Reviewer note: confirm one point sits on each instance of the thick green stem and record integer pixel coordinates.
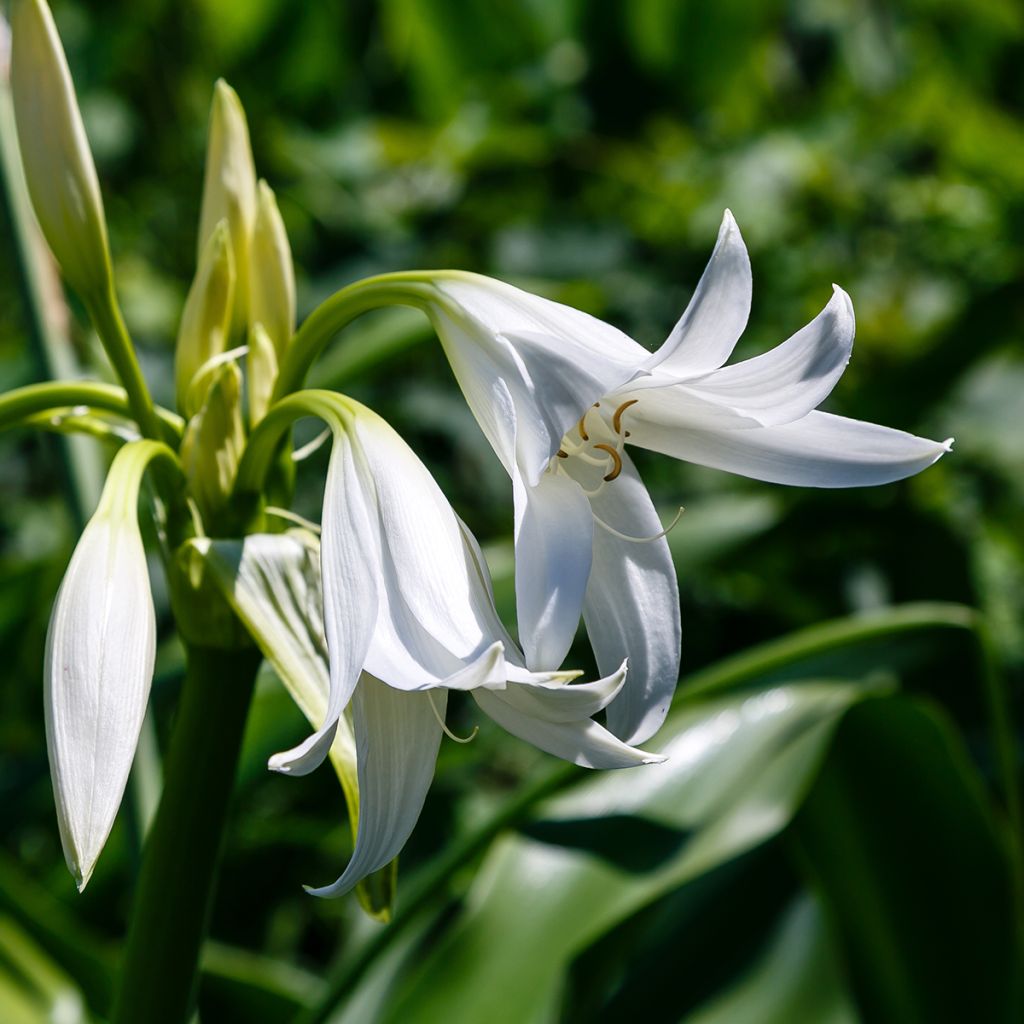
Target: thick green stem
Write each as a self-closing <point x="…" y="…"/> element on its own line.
<point x="179" y="870"/>
<point x="401" y="289"/>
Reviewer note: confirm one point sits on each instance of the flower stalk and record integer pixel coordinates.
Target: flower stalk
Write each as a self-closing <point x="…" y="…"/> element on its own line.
<point x="179" y="871"/>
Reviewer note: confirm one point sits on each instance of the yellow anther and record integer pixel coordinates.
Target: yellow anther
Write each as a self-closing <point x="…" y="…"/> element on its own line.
<point x="616" y="459"/>
<point x="617" y="416"/>
<point x="581" y="427"/>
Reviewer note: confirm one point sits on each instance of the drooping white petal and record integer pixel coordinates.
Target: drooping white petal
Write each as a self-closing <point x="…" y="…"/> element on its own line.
<point x="397" y="739"/>
<point x="820" y="450"/>
<point x="553" y="361"/>
<point x="585" y="742"/>
<point x="554" y="539"/>
<point x="558" y="700"/>
<point x="632" y="606"/>
<point x="792" y="379"/>
<point x="349" y="558"/>
<point x="434" y="612"/>
<point x="99" y="666"/>
<point x="708" y="330"/>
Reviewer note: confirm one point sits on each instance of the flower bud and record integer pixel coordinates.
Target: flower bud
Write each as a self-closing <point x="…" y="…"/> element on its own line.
<point x="206" y="318"/>
<point x="262" y="372"/>
<point x="55" y="153"/>
<point x="272" y="278"/>
<point x="213" y="442"/>
<point x="229" y="190"/>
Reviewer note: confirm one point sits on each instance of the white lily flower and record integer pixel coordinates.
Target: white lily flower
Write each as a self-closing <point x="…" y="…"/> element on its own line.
<point x="409" y="615"/>
<point x="559" y="393"/>
<point x="99" y="664"/>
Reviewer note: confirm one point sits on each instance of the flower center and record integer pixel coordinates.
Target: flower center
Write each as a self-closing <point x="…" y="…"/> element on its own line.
<point x="596" y="444"/>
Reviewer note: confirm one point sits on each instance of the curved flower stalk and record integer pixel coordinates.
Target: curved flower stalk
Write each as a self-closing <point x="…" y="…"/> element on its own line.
<point x="99" y="663"/>
<point x="408" y="616"/>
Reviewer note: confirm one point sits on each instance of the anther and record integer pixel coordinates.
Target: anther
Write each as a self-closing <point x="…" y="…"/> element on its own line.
<point x="616" y="460"/>
<point x="582" y="428"/>
<point x="562" y="454"/>
<point x="617" y="415"/>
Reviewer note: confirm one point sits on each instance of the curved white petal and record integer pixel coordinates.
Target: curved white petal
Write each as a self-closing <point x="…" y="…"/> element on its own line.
<point x="554" y="362"/>
<point x="708" y="330"/>
<point x="632" y="606"/>
<point x="583" y="742"/>
<point x="557" y="700"/>
<point x="554" y="541"/>
<point x="434" y="611"/>
<point x="795" y="377"/>
<point x="820" y="450"/>
<point x="349" y="560"/>
<point x="99" y="666"/>
<point x="397" y="739"/>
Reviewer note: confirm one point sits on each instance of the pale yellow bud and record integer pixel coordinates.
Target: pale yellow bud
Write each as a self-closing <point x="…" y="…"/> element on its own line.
<point x="272" y="277"/>
<point x="262" y="372"/>
<point x="213" y="442"/>
<point x="206" y="318"/>
<point x="55" y="152"/>
<point x="229" y="189"/>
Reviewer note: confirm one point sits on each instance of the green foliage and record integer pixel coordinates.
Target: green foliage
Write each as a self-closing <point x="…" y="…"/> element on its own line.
<point x="847" y="856"/>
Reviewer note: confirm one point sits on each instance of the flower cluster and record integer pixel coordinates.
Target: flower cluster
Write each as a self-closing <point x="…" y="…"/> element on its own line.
<point x="373" y="617"/>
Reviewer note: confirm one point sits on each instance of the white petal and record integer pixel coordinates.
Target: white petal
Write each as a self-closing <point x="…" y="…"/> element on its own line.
<point x="558" y="701"/>
<point x="820" y="450"/>
<point x="708" y="330"/>
<point x="553" y="361"/>
<point x="554" y="541"/>
<point x="397" y="739"/>
<point x="99" y="667"/>
<point x="583" y="742"/>
<point x="350" y="559"/>
<point x="632" y="606"/>
<point x="435" y="612"/>
<point x="795" y="377"/>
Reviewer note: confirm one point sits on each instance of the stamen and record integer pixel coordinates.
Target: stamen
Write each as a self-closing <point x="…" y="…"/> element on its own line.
<point x="311" y="446"/>
<point x="562" y="454"/>
<point x="640" y="540"/>
<point x="581" y="427"/>
<point x="616" y="460"/>
<point x="445" y="729"/>
<point x="617" y="415"/>
<point x="293" y="517"/>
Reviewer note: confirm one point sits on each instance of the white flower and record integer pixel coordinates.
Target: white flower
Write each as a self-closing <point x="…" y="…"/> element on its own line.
<point x="559" y="393"/>
<point x="99" y="664"/>
<point x="408" y="616"/>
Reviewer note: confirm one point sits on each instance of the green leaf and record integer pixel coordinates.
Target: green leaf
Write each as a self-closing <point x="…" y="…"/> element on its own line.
<point x="915" y="871"/>
<point x="737" y="771"/>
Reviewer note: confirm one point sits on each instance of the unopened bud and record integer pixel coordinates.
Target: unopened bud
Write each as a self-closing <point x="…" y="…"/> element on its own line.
<point x="272" y="277"/>
<point x="55" y="152"/>
<point x="262" y="372"/>
<point x="229" y="189"/>
<point x="206" y="318"/>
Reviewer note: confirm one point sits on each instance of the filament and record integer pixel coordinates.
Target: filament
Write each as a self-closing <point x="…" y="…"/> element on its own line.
<point x="639" y="540"/>
<point x="445" y="729"/>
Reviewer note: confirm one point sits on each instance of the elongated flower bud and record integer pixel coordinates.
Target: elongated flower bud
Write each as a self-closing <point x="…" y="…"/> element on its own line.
<point x="272" y="277"/>
<point x="214" y="440"/>
<point x="262" y="372"/>
<point x="206" y="319"/>
<point x="229" y="189"/>
<point x="99" y="664"/>
<point x="55" y="152"/>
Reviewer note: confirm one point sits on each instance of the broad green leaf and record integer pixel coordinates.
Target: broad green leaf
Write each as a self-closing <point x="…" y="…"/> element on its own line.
<point x="914" y="870"/>
<point x="737" y="771"/>
<point x="32" y="987"/>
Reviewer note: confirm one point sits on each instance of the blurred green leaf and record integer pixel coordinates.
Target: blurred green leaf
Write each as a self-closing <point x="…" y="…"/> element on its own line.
<point x="914" y="870"/>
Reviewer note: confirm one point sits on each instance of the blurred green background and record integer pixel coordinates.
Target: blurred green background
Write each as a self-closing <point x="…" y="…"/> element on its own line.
<point x="587" y="151"/>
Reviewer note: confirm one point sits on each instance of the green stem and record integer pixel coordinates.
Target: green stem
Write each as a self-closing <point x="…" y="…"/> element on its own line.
<point x="432" y="883"/>
<point x="105" y="314"/>
<point x="176" y="884"/>
<point x="401" y="289"/>
<point x="23" y="403"/>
